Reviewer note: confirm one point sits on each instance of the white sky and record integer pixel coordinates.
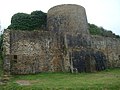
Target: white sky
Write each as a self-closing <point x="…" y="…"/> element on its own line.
<point x="105" y="13"/>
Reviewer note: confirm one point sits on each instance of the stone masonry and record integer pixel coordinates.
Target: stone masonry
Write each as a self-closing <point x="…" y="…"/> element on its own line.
<point x="66" y="46"/>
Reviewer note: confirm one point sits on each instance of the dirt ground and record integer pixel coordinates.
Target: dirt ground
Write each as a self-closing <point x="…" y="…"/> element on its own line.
<point x="26" y="82"/>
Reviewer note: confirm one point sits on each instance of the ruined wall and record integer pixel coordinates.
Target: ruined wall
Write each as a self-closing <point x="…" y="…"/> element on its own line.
<point x="110" y="47"/>
<point x="6" y="52"/>
<point x="67" y="45"/>
<point x="34" y="51"/>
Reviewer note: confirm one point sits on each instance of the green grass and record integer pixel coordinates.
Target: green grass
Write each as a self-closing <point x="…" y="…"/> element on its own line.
<point x="104" y="80"/>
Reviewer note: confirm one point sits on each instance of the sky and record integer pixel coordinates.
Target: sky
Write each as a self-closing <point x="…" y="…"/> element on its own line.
<point x="103" y="13"/>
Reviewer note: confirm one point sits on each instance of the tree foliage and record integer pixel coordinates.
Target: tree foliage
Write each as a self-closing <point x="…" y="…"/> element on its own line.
<point x="39" y="19"/>
<point x="23" y="21"/>
<point x="95" y="30"/>
<point x="1" y="41"/>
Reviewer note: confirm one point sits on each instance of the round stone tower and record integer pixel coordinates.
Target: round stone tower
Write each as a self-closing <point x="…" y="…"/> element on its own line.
<point x="67" y="18"/>
<point x="69" y="24"/>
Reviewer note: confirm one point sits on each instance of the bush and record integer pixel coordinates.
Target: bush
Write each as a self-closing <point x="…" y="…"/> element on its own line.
<point x="95" y="30"/>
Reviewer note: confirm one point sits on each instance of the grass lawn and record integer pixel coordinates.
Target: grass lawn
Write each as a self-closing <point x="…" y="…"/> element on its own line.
<point x="104" y="80"/>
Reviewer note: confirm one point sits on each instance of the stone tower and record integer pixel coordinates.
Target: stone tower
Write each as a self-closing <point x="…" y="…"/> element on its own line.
<point x="67" y="18"/>
<point x="70" y="21"/>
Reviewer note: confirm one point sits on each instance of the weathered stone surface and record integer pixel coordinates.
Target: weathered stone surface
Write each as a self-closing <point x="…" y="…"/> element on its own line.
<point x="67" y="18"/>
<point x="70" y="21"/>
<point x="34" y="52"/>
<point x="65" y="46"/>
<point x="110" y="47"/>
<point x="6" y="52"/>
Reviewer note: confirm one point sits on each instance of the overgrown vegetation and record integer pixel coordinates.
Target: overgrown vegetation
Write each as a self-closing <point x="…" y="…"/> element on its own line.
<point x="95" y="30"/>
<point x="23" y="21"/>
<point x="104" y="80"/>
<point x="1" y="41"/>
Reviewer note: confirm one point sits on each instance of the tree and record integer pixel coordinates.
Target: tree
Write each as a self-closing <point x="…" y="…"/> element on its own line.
<point x="20" y="21"/>
<point x="39" y="19"/>
<point x="23" y="21"/>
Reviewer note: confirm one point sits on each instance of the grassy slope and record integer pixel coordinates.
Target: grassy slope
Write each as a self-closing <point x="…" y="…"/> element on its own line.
<point x="105" y="80"/>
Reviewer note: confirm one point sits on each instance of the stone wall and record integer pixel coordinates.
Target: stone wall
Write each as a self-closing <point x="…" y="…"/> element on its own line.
<point x="34" y="51"/>
<point x="110" y="47"/>
<point x="6" y="52"/>
<point x="68" y="18"/>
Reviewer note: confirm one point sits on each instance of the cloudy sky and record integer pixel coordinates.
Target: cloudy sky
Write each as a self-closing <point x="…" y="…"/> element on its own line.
<point x="105" y="13"/>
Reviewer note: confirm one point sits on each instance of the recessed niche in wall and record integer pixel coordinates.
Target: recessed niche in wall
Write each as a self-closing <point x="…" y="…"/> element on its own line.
<point x="15" y="56"/>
